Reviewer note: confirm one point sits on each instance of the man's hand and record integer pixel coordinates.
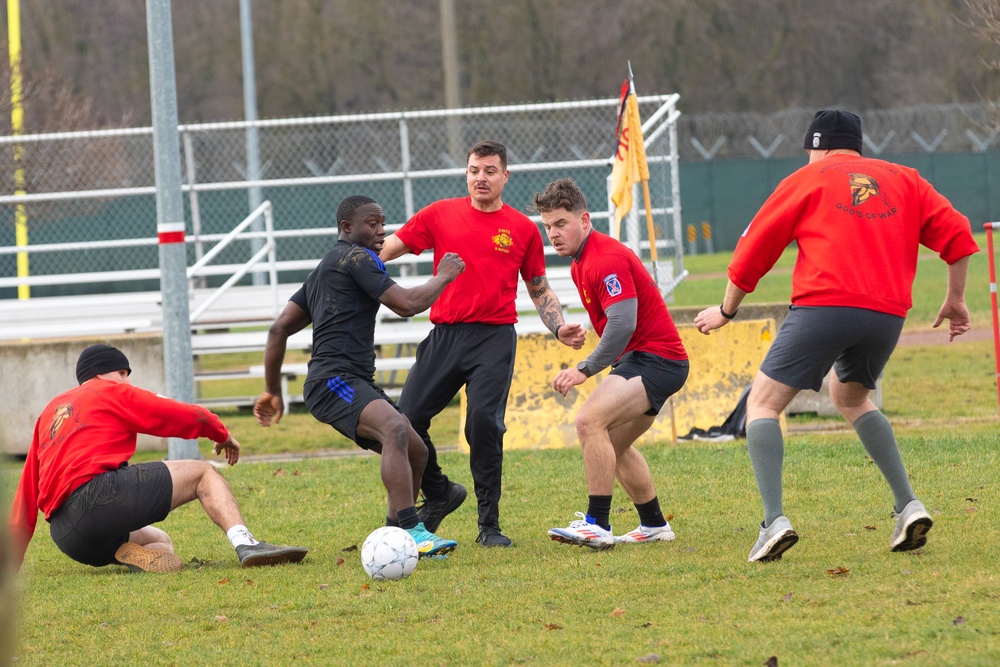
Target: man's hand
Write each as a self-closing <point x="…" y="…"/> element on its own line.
<point x="232" y="449"/>
<point x="267" y="408"/>
<point x="572" y="334"/>
<point x="450" y="266"/>
<point x="567" y="379"/>
<point x="957" y="314"/>
<point x="709" y="319"/>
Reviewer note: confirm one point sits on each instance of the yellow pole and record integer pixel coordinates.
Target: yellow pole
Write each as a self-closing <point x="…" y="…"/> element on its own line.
<point x="649" y="222"/>
<point x="17" y="129"/>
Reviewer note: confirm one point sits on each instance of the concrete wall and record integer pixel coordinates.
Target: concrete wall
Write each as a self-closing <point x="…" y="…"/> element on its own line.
<point x="35" y="372"/>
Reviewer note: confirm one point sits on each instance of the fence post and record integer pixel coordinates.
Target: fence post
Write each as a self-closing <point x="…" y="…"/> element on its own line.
<point x="990" y="226"/>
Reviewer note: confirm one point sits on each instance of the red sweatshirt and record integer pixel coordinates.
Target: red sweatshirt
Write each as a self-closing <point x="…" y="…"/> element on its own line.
<point x="90" y="430"/>
<point x="858" y="223"/>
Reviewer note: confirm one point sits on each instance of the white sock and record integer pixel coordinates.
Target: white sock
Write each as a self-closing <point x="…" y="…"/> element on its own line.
<point x="239" y="535"/>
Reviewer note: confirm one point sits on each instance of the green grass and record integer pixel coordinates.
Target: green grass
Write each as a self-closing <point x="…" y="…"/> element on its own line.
<point x="693" y="601"/>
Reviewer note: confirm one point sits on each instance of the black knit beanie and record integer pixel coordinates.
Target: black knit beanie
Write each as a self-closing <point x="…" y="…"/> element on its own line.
<point x="98" y="359"/>
<point x="832" y="129"/>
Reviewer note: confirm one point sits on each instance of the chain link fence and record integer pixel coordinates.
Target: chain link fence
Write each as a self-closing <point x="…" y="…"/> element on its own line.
<point x="89" y="186"/>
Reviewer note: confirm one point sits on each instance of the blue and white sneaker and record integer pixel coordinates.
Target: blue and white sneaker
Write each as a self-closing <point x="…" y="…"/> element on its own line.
<point x="429" y="544"/>
<point x="584" y="533"/>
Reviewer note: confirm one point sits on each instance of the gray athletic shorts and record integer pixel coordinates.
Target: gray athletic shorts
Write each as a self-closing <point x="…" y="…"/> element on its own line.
<point x="97" y="517"/>
<point x="339" y="402"/>
<point x="855" y="342"/>
<point x="661" y="377"/>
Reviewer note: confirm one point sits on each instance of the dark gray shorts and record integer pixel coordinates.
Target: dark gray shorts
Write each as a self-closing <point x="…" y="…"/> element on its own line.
<point x="339" y="402"/>
<point x="97" y="517"/>
<point x="661" y="377"/>
<point x="855" y="342"/>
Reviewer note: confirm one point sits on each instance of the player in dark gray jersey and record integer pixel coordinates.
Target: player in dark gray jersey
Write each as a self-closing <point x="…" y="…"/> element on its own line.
<point x="341" y="298"/>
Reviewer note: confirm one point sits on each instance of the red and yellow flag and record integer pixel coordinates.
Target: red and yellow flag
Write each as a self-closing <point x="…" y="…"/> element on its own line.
<point x="630" y="158"/>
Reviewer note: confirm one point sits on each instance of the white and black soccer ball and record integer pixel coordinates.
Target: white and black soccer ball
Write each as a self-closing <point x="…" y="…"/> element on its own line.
<point x="389" y="553"/>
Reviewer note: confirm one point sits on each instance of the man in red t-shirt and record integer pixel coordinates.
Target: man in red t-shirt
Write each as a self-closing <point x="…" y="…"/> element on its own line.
<point x="473" y="339"/>
<point x="99" y="508"/>
<point x="858" y="223"/>
<point x="649" y="364"/>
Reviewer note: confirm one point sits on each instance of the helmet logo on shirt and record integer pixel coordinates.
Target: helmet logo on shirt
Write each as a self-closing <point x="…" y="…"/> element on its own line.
<point x="503" y="240"/>
<point x="612" y="284"/>
<point x="862" y="188"/>
<point x="62" y="413"/>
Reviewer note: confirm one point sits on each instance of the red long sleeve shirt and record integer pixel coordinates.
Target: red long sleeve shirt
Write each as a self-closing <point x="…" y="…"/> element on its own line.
<point x="89" y="430"/>
<point x="858" y="223"/>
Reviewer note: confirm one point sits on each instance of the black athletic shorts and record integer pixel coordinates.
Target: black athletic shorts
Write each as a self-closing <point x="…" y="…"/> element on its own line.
<point x="661" y="377"/>
<point x="339" y="402"/>
<point x="855" y="342"/>
<point x="97" y="517"/>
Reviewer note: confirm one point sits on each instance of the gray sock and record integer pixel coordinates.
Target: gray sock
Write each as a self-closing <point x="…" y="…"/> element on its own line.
<point x="767" y="452"/>
<point x="877" y="437"/>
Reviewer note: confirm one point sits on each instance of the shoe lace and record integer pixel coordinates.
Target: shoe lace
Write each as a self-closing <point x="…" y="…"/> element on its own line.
<point x="581" y="522"/>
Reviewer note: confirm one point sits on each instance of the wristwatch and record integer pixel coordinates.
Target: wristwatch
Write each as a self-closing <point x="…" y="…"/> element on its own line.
<point x="582" y="367"/>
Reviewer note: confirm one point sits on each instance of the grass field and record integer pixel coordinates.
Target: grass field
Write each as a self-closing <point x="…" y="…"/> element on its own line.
<point x="838" y="598"/>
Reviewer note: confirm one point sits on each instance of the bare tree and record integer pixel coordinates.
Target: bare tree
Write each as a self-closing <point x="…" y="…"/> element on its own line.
<point x="982" y="19"/>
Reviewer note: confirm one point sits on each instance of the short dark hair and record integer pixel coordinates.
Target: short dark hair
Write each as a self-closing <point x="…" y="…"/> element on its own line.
<point x="488" y="148"/>
<point x="352" y="204"/>
<point x="564" y="193"/>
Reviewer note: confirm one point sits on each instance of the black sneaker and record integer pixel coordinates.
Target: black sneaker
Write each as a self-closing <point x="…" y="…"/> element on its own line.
<point x="490" y="536"/>
<point x="433" y="510"/>
<point x="263" y="553"/>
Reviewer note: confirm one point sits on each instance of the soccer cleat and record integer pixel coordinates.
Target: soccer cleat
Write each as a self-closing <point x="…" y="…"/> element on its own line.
<point x="429" y="544"/>
<point x="490" y="536"/>
<point x="912" y="525"/>
<point x="433" y="510"/>
<point x="263" y="553"/>
<point x="773" y="541"/>
<point x="646" y="534"/>
<point x="140" y="559"/>
<point x="584" y="533"/>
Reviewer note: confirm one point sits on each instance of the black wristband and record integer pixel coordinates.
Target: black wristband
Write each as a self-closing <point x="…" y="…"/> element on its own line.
<point x="727" y="315"/>
<point x="556" y="332"/>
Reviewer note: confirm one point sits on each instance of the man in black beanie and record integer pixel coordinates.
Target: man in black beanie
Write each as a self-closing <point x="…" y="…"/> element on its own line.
<point x="858" y="223"/>
<point x="100" y="509"/>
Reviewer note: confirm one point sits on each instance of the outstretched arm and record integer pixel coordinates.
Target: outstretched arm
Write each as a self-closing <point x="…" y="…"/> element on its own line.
<point x="712" y="317"/>
<point x="408" y="302"/>
<point x="954" y="309"/>
<point x="550" y="310"/>
<point x="269" y="406"/>
<point x="392" y="248"/>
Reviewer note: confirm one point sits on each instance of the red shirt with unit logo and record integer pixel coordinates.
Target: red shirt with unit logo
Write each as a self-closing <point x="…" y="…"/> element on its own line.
<point x="496" y="247"/>
<point x="90" y="430"/>
<point x="607" y="272"/>
<point x="858" y="223"/>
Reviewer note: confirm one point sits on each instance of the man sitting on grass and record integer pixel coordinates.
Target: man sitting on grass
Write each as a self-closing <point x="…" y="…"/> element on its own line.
<point x="98" y="507"/>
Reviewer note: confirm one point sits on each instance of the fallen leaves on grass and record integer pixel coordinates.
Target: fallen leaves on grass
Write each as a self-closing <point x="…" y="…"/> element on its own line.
<point x="323" y="587"/>
<point x="787" y="597"/>
<point x="959" y="621"/>
<point x="223" y="582"/>
<point x="221" y="619"/>
<point x="553" y="626"/>
<point x="618" y="612"/>
<point x="772" y="661"/>
<point x="353" y="547"/>
<point x="652" y="658"/>
<point x="870" y="528"/>
<point x="279" y="473"/>
<point x="838" y="571"/>
<point x="340" y="560"/>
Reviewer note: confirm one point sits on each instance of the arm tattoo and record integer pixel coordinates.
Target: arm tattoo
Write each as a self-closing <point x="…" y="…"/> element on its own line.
<point x="547" y="303"/>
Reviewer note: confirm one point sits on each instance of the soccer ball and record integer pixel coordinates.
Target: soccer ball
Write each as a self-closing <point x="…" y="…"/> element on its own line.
<point x="389" y="553"/>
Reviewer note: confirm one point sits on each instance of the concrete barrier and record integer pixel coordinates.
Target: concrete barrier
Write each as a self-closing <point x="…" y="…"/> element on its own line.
<point x="35" y="372"/>
<point x="538" y="417"/>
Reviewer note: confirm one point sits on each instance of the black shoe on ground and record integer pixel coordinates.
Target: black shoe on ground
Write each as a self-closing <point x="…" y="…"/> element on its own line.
<point x="433" y="510"/>
<point x="263" y="553"/>
<point x="491" y="536"/>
